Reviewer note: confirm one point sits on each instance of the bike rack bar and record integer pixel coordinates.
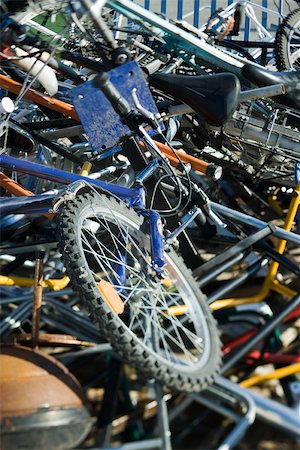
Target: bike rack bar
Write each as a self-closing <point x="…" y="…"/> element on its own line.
<point x="161" y="443"/>
<point x="236" y="249"/>
<point x="253" y="222"/>
<point x="222" y="398"/>
<point x="226" y="392"/>
<point x="22" y="312"/>
<point x="278" y="257"/>
<point x="21" y="298"/>
<point x="251" y="270"/>
<point x="21" y="248"/>
<point x="84" y="328"/>
<point x="69" y="357"/>
<point x="267" y="410"/>
<point x="150" y="444"/>
<point x="214" y="273"/>
<point x="178" y="409"/>
<point x="163" y="419"/>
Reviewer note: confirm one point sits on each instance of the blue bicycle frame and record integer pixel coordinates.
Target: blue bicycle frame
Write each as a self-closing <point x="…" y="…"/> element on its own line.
<point x="133" y="197"/>
<point x="41" y="203"/>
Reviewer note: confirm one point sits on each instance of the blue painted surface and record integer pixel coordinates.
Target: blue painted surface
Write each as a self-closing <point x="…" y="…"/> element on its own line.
<point x="196" y="13"/>
<point x="63" y="177"/>
<point x="247" y="29"/>
<point x="179" y="9"/>
<point x="100" y="122"/>
<point x="157" y="241"/>
<point x="163" y="6"/>
<point x="213" y="6"/>
<point x="297" y="172"/>
<point x="264" y="14"/>
<point x="198" y="4"/>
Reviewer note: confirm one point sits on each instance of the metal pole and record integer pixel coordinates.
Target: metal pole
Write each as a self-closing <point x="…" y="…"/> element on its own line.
<point x="268" y="411"/>
<point x="196" y="13"/>
<point x="37" y="298"/>
<point x="253" y="222"/>
<point x="230" y="285"/>
<point x="238" y="431"/>
<point x="163" y="420"/>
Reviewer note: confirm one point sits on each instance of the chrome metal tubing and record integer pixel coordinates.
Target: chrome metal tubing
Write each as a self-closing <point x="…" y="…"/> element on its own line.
<point x="225" y="391"/>
<point x="12" y="321"/>
<point x="235" y="250"/>
<point x="261" y="136"/>
<point x="237" y="216"/>
<point x="267" y="410"/>
<point x="149" y="444"/>
<point x="230" y="285"/>
<point x="268" y="91"/>
<point x="68" y="357"/>
<point x="218" y="270"/>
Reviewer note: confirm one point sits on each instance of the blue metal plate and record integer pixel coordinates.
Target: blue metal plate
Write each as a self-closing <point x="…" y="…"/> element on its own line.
<point x="99" y="120"/>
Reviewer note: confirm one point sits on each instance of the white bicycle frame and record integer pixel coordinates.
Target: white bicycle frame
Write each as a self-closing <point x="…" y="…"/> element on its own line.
<point x="249" y="10"/>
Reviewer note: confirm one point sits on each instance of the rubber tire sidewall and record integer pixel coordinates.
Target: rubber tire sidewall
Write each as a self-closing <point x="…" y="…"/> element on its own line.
<point x="112" y="326"/>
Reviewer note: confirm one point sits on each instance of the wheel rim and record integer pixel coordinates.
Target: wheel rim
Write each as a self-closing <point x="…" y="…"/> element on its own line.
<point x="181" y="341"/>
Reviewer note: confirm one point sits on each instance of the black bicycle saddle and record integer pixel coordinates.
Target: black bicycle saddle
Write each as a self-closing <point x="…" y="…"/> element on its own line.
<point x="263" y="77"/>
<point x="213" y="97"/>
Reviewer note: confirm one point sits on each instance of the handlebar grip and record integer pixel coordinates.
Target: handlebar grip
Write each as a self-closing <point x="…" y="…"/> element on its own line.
<point x="153" y="66"/>
<point x="118" y="102"/>
<point x="213" y="171"/>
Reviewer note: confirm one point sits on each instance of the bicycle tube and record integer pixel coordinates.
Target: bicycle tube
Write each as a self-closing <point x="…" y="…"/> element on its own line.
<point x="185" y="41"/>
<point x="38" y="98"/>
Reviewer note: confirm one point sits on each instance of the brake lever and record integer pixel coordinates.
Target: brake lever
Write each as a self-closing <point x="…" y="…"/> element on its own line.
<point x="150" y="118"/>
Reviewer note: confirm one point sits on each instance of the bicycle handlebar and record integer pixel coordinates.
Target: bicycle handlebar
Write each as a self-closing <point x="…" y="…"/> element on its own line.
<point x="211" y="170"/>
<point x="118" y="102"/>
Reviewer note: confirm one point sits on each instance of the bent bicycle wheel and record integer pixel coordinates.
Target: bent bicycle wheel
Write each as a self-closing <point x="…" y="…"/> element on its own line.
<point x="163" y="328"/>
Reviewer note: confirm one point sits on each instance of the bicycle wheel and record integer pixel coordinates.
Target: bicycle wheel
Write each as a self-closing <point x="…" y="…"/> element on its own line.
<point x="163" y="328"/>
<point x="287" y="43"/>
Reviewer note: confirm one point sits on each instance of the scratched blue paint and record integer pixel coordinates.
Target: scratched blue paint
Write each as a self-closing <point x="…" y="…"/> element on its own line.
<point x="101" y="123"/>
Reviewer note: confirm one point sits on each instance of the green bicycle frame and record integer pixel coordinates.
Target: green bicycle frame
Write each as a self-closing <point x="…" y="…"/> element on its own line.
<point x="178" y="40"/>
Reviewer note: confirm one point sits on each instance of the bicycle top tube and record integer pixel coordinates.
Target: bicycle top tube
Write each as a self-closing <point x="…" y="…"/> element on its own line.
<point x="36" y="204"/>
<point x="135" y="196"/>
<point x="182" y="39"/>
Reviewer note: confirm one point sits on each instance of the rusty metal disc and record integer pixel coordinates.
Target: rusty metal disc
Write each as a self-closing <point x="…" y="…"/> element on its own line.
<point x="41" y="405"/>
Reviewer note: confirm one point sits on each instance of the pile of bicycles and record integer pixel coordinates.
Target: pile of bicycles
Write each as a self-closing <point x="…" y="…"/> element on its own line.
<point x="150" y="192"/>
